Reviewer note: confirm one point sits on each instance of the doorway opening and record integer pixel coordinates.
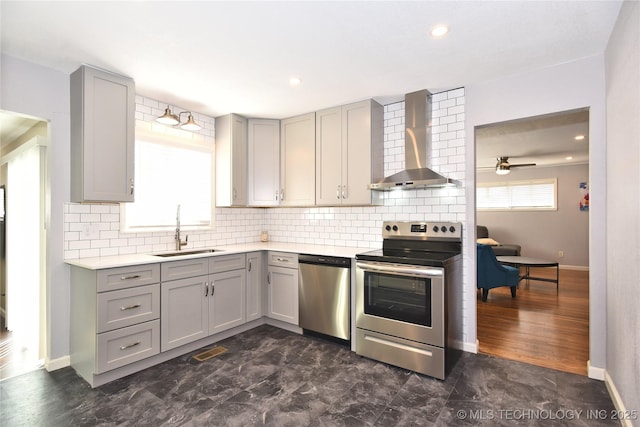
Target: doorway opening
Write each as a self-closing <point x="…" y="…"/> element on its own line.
<point x="543" y="325"/>
<point x="24" y="209"/>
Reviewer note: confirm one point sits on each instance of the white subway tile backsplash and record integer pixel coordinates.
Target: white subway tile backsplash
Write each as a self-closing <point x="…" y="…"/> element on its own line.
<point x="94" y="229"/>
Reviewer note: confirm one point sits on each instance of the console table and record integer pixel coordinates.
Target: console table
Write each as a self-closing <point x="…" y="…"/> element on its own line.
<point x="527" y="263"/>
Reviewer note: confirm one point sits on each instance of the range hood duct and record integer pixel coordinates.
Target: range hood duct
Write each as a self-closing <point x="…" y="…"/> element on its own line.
<point x="417" y="149"/>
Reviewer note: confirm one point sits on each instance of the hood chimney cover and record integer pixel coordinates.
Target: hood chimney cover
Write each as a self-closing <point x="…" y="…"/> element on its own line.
<point x="417" y="149"/>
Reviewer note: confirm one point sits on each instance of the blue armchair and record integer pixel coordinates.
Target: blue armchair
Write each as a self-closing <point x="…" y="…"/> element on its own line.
<point x="492" y="274"/>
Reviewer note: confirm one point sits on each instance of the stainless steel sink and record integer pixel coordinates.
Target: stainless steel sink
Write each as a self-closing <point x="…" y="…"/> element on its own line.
<point x="182" y="253"/>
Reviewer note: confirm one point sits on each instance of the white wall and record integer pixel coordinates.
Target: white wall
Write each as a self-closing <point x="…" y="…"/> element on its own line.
<point x="563" y="87"/>
<point x="623" y="227"/>
<point x="44" y="93"/>
<point x="545" y="232"/>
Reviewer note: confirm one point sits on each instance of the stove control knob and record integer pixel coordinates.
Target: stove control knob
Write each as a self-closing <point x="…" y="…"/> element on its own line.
<point x="443" y="229"/>
<point x="388" y="228"/>
<point x="395" y="228"/>
<point x="452" y="229"/>
<point x="435" y="228"/>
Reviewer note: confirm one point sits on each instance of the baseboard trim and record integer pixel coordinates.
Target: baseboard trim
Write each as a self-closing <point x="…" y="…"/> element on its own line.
<point x="465" y="346"/>
<point x="617" y="400"/>
<point x="595" y="373"/>
<point x="55" y="364"/>
<point x="574" y="267"/>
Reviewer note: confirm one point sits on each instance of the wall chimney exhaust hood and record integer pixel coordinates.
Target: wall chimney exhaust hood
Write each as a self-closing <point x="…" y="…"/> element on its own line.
<point x="417" y="149"/>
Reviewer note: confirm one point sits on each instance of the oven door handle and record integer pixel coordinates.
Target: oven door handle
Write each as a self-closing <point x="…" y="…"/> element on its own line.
<point x="399" y="269"/>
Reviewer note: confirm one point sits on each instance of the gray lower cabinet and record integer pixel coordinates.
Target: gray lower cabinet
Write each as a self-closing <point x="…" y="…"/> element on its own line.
<point x="254" y="301"/>
<point x="196" y="307"/>
<point x="282" y="287"/>
<point x="114" y="317"/>
<point x="124" y="315"/>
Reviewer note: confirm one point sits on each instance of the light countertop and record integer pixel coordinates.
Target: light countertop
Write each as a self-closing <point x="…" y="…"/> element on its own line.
<point x="98" y="263"/>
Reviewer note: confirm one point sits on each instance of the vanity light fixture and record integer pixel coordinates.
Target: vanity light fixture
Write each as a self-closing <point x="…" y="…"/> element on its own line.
<point x="168" y="118"/>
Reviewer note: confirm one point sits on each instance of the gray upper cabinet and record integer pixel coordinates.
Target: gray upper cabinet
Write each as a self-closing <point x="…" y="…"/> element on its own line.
<point x="297" y="160"/>
<point x="264" y="162"/>
<point x="349" y="154"/>
<point x="231" y="160"/>
<point x="102" y="136"/>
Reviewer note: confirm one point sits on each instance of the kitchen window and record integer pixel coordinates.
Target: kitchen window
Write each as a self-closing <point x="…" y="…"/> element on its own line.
<point x="170" y="170"/>
<point x="540" y="194"/>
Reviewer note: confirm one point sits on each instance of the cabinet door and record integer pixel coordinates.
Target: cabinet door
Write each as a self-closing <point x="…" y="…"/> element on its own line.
<point x="297" y="160"/>
<point x="329" y="157"/>
<point x="102" y="136"/>
<point x="231" y="160"/>
<point x="227" y="300"/>
<point x="254" y="286"/>
<point x="264" y="163"/>
<point x="239" y="161"/>
<point x="184" y="312"/>
<point x="362" y="135"/>
<point x="282" y="285"/>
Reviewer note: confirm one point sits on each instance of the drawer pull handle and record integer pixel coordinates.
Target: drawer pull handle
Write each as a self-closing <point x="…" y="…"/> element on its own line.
<point x="134" y="276"/>
<point x="129" y="307"/>
<point x="126" y="346"/>
<point x="282" y="259"/>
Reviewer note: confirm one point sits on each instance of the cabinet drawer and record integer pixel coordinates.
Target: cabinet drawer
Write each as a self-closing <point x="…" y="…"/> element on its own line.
<point x="127" y="277"/>
<point x="127" y="345"/>
<point x="128" y="307"/>
<point x="183" y="269"/>
<point x="283" y="259"/>
<point x="227" y="263"/>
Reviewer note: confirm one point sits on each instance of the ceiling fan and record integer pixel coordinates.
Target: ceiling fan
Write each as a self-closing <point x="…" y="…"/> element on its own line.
<point x="503" y="166"/>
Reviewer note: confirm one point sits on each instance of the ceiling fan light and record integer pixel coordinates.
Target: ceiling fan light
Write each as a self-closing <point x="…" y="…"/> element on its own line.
<point x="502" y="170"/>
<point x="168" y="118"/>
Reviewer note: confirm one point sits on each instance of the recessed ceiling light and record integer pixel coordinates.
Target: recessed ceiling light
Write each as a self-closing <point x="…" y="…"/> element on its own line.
<point x="578" y="137"/>
<point x="568" y="158"/>
<point x="439" y="31"/>
<point x="295" y="81"/>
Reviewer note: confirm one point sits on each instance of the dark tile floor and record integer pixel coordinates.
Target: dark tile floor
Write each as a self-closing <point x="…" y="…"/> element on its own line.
<point x="273" y="377"/>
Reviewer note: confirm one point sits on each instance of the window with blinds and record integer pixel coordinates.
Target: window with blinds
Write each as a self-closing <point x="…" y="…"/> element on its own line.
<point x="538" y="194"/>
<point x="170" y="172"/>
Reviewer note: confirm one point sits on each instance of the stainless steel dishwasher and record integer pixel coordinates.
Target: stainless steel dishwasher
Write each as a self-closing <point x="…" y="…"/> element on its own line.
<point x="324" y="295"/>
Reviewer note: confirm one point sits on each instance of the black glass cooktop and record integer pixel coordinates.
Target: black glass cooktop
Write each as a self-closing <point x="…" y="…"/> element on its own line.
<point x="427" y="258"/>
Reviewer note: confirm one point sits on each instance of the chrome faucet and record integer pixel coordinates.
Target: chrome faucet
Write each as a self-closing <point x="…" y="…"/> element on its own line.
<point x="179" y="242"/>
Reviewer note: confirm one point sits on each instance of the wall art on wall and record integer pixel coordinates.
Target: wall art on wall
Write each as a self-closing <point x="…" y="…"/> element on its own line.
<point x="584" y="201"/>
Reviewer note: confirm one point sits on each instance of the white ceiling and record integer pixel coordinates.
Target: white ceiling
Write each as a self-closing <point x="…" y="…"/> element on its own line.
<point x="222" y="57"/>
<point x="544" y="140"/>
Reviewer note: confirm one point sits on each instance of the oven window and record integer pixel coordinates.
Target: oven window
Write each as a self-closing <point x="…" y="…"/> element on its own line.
<point x="407" y="299"/>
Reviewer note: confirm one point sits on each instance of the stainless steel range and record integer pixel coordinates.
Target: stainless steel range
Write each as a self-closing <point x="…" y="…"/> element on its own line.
<point x="409" y="296"/>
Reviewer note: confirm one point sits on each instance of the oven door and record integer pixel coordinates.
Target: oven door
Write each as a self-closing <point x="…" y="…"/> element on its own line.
<point x="405" y="301"/>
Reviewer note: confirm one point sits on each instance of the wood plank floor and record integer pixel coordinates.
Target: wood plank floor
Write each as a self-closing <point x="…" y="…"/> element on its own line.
<point x="539" y="326"/>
